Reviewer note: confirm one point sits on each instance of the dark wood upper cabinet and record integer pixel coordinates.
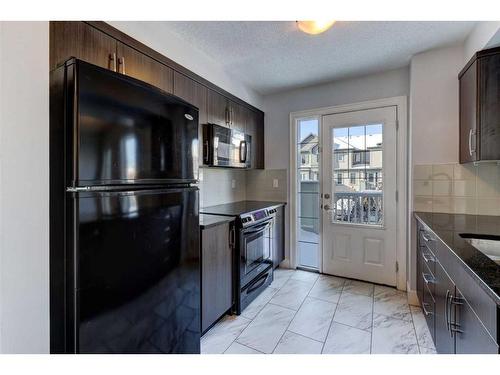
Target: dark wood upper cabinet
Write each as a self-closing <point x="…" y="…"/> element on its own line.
<point x="196" y="94"/>
<point x="138" y="65"/>
<point x="100" y="44"/>
<point x="479" y="97"/>
<point x="192" y="92"/>
<point x="237" y="116"/>
<point x="77" y="39"/>
<point x="254" y="126"/>
<point x="218" y="111"/>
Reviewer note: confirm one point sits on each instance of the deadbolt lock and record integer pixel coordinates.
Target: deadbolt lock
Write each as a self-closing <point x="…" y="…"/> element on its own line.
<point x="327" y="196"/>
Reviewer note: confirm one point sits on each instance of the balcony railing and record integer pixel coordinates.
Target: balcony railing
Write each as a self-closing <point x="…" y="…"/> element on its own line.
<point x="364" y="207"/>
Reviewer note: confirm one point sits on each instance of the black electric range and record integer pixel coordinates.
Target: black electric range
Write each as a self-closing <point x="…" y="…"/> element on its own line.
<point x="253" y="263"/>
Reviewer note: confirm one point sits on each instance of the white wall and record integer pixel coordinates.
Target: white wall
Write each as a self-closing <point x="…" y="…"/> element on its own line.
<point x="161" y="39"/>
<point x="484" y="35"/>
<point x="24" y="187"/>
<point x="278" y="106"/>
<point x="434" y="105"/>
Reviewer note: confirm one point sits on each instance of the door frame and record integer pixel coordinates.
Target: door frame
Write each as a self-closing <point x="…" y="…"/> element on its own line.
<point x="403" y="217"/>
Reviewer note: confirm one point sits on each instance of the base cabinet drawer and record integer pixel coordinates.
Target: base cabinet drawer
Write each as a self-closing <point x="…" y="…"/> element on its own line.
<point x="471" y="336"/>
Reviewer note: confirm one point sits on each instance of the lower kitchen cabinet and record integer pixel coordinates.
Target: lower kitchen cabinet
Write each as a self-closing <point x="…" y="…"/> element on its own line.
<point x="278" y="236"/>
<point x="444" y="290"/>
<point x="454" y="324"/>
<point x="216" y="272"/>
<point x="471" y="336"/>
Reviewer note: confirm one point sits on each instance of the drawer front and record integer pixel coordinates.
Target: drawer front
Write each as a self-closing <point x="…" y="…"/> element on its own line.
<point x="427" y="238"/>
<point x="429" y="308"/>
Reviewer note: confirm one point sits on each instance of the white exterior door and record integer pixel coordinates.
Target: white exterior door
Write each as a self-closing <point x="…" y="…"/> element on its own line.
<point x="359" y="194"/>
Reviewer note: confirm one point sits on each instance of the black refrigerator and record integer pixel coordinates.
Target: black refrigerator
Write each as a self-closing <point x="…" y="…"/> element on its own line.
<point x="124" y="222"/>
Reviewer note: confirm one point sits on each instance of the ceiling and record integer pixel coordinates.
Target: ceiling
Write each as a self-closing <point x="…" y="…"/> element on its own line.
<point x="274" y="56"/>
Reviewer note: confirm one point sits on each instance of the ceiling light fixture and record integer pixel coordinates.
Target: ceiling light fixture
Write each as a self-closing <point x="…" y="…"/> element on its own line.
<point x="314" y="27"/>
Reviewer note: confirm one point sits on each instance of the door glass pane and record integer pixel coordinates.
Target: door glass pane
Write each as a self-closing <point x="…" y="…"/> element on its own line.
<point x="307" y="219"/>
<point x="357" y="175"/>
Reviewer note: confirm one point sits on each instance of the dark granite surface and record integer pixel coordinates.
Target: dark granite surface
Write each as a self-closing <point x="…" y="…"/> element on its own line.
<point x="207" y="221"/>
<point x="448" y="228"/>
<point x="238" y="208"/>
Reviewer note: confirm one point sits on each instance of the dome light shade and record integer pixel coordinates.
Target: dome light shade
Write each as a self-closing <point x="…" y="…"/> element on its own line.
<point x="314" y="27"/>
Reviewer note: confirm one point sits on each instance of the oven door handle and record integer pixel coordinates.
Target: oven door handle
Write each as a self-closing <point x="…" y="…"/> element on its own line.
<point x="258" y="283"/>
<point x="257" y="229"/>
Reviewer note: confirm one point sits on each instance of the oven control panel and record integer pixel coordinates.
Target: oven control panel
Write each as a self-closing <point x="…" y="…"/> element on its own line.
<point x="256" y="216"/>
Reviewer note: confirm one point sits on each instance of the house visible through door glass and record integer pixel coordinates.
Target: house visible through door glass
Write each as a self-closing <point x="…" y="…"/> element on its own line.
<point x="357" y="173"/>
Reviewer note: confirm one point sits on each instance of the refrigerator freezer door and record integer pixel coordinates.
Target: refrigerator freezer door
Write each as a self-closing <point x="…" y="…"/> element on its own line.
<point x="127" y="131"/>
<point x="137" y="272"/>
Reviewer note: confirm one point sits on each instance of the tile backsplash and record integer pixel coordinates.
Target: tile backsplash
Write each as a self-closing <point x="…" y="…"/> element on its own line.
<point x="457" y="188"/>
<point x="224" y="185"/>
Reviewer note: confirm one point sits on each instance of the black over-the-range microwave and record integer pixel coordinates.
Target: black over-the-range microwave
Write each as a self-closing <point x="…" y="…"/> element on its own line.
<point x="225" y="147"/>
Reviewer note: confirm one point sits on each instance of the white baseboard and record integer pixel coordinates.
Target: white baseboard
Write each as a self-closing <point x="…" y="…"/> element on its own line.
<point x="412" y="296"/>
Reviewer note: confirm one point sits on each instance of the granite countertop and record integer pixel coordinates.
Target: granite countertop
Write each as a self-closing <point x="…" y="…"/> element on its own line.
<point x="238" y="208"/>
<point x="207" y="221"/>
<point x="448" y="228"/>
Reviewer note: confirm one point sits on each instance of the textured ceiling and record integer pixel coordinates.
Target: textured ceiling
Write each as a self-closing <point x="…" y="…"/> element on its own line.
<point x="275" y="56"/>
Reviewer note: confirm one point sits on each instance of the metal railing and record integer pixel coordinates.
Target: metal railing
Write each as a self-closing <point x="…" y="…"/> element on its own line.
<point x="365" y="207"/>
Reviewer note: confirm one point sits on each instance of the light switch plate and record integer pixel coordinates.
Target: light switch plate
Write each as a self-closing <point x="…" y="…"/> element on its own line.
<point x="233" y="184"/>
<point x="275" y="183"/>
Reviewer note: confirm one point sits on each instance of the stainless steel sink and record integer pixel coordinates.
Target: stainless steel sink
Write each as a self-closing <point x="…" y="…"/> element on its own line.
<point x="488" y="246"/>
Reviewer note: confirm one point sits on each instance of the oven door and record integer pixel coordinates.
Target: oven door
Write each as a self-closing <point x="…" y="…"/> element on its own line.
<point x="255" y="251"/>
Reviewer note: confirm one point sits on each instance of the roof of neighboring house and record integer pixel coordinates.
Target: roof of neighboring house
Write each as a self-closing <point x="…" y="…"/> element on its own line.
<point x="309" y="143"/>
<point x="357" y="142"/>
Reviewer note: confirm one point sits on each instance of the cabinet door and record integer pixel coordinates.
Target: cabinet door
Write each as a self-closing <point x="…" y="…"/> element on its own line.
<point x="471" y="336"/>
<point x="217" y="109"/>
<point x="138" y="65"/>
<point x="255" y="128"/>
<point x="489" y="107"/>
<point x="237" y="116"/>
<point x="196" y="94"/>
<point x="443" y="291"/>
<point x="77" y="39"/>
<point x="216" y="274"/>
<point x="278" y="237"/>
<point x="468" y="115"/>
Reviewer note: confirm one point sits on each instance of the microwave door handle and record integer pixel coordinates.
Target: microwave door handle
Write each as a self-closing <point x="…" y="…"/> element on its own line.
<point x="243" y="151"/>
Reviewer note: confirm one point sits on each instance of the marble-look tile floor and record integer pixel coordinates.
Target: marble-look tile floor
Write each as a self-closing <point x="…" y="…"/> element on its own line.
<point x="307" y="313"/>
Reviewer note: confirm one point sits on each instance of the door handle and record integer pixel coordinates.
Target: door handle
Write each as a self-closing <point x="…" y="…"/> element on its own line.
<point x="327" y="207"/>
<point x="112" y="61"/>
<point x="121" y="62"/>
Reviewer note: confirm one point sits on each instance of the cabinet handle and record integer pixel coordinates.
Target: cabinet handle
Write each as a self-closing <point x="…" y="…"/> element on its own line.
<point x="121" y="62"/>
<point x="471" y="133"/>
<point x="426" y="239"/>
<point x="427" y="312"/>
<point x="206" y="151"/>
<point x="428" y="278"/>
<point x="447" y="311"/>
<point x="231" y="116"/>
<point x="226" y="114"/>
<point x="112" y="61"/>
<point x="232" y="238"/>
<point x="428" y="258"/>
